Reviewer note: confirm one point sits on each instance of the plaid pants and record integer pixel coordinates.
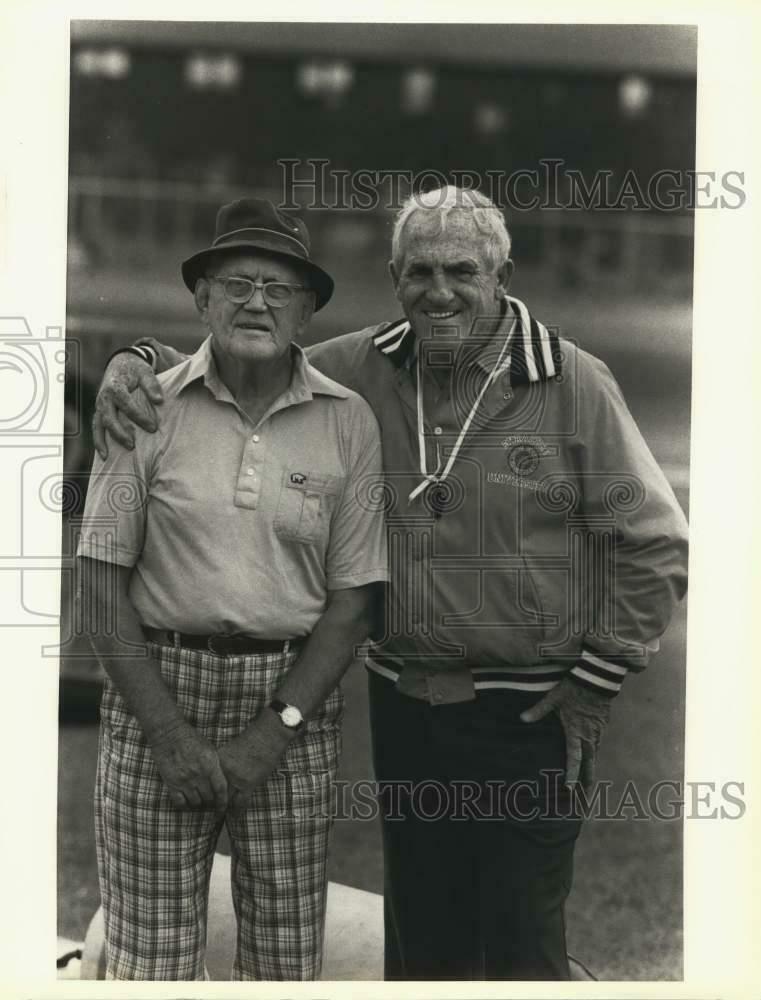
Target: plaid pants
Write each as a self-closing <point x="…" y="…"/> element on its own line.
<point x="154" y="860"/>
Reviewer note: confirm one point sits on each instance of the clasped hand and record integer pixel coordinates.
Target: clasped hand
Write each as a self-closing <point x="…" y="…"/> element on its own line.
<point x="250" y="758"/>
<point x="198" y="776"/>
<point x="190" y="768"/>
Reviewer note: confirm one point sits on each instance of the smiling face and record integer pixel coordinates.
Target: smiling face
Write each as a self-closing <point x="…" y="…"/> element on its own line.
<point x="445" y="280"/>
<point x="252" y="332"/>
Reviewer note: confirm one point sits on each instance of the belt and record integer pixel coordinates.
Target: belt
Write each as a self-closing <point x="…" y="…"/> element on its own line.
<point x="221" y="644"/>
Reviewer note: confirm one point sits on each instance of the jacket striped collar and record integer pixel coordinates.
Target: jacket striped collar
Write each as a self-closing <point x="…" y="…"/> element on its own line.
<point x="534" y="354"/>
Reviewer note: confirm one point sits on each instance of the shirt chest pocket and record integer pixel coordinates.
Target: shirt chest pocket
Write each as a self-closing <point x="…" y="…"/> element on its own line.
<point x="305" y="506"/>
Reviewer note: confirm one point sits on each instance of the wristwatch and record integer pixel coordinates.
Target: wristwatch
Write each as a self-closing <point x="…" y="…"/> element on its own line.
<point x="289" y="715"/>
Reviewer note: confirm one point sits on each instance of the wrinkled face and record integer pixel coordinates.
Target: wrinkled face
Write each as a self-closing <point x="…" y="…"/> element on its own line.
<point x="445" y="280"/>
<point x="252" y="332"/>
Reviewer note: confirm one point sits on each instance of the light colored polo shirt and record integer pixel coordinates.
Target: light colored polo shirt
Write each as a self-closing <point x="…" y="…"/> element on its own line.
<point x="235" y="527"/>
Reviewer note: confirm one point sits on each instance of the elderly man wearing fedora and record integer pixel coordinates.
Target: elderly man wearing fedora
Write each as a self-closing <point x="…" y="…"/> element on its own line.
<point x="227" y="573"/>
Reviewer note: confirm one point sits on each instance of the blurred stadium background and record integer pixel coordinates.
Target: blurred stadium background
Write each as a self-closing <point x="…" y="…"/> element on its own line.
<point x="170" y="120"/>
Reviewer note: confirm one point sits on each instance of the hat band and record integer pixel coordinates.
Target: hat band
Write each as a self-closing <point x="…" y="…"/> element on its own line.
<point x="273" y="232"/>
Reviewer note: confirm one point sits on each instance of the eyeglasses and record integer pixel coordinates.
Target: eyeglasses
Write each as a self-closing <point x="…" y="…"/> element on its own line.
<point x="275" y="293"/>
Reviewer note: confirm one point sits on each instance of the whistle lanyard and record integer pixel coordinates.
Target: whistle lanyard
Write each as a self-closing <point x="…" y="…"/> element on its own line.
<point x="437" y="476"/>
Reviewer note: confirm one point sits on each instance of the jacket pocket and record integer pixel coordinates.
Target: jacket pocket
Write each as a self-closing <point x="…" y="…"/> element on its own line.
<point x="305" y="506"/>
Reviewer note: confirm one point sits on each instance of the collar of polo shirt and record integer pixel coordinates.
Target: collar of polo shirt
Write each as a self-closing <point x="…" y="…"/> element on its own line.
<point x="306" y="380"/>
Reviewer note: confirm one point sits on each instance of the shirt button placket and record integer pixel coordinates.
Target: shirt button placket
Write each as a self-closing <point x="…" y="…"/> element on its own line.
<point x="252" y="462"/>
<point x="257" y="463"/>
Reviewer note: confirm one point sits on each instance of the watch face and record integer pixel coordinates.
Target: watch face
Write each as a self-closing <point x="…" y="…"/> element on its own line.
<point x="291" y="716"/>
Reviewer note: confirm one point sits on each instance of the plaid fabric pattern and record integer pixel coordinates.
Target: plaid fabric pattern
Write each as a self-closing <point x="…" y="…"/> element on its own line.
<point x="154" y="860"/>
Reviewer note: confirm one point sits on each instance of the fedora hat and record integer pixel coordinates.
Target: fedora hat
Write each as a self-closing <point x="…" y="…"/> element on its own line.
<point x="255" y="224"/>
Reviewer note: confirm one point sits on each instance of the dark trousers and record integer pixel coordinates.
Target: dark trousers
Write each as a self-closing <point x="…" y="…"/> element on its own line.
<point x="477" y="866"/>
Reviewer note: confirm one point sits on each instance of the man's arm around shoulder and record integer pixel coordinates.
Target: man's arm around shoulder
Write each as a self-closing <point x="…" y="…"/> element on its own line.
<point x="129" y="392"/>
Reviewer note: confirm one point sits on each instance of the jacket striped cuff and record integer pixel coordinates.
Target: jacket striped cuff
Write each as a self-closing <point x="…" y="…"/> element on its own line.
<point x="146" y="351"/>
<point x="600" y="675"/>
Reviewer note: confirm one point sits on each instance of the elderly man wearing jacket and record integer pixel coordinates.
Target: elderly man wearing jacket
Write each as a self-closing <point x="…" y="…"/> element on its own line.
<point x="536" y="555"/>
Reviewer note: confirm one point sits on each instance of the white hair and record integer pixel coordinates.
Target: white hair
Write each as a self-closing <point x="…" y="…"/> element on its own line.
<point x="438" y="203"/>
